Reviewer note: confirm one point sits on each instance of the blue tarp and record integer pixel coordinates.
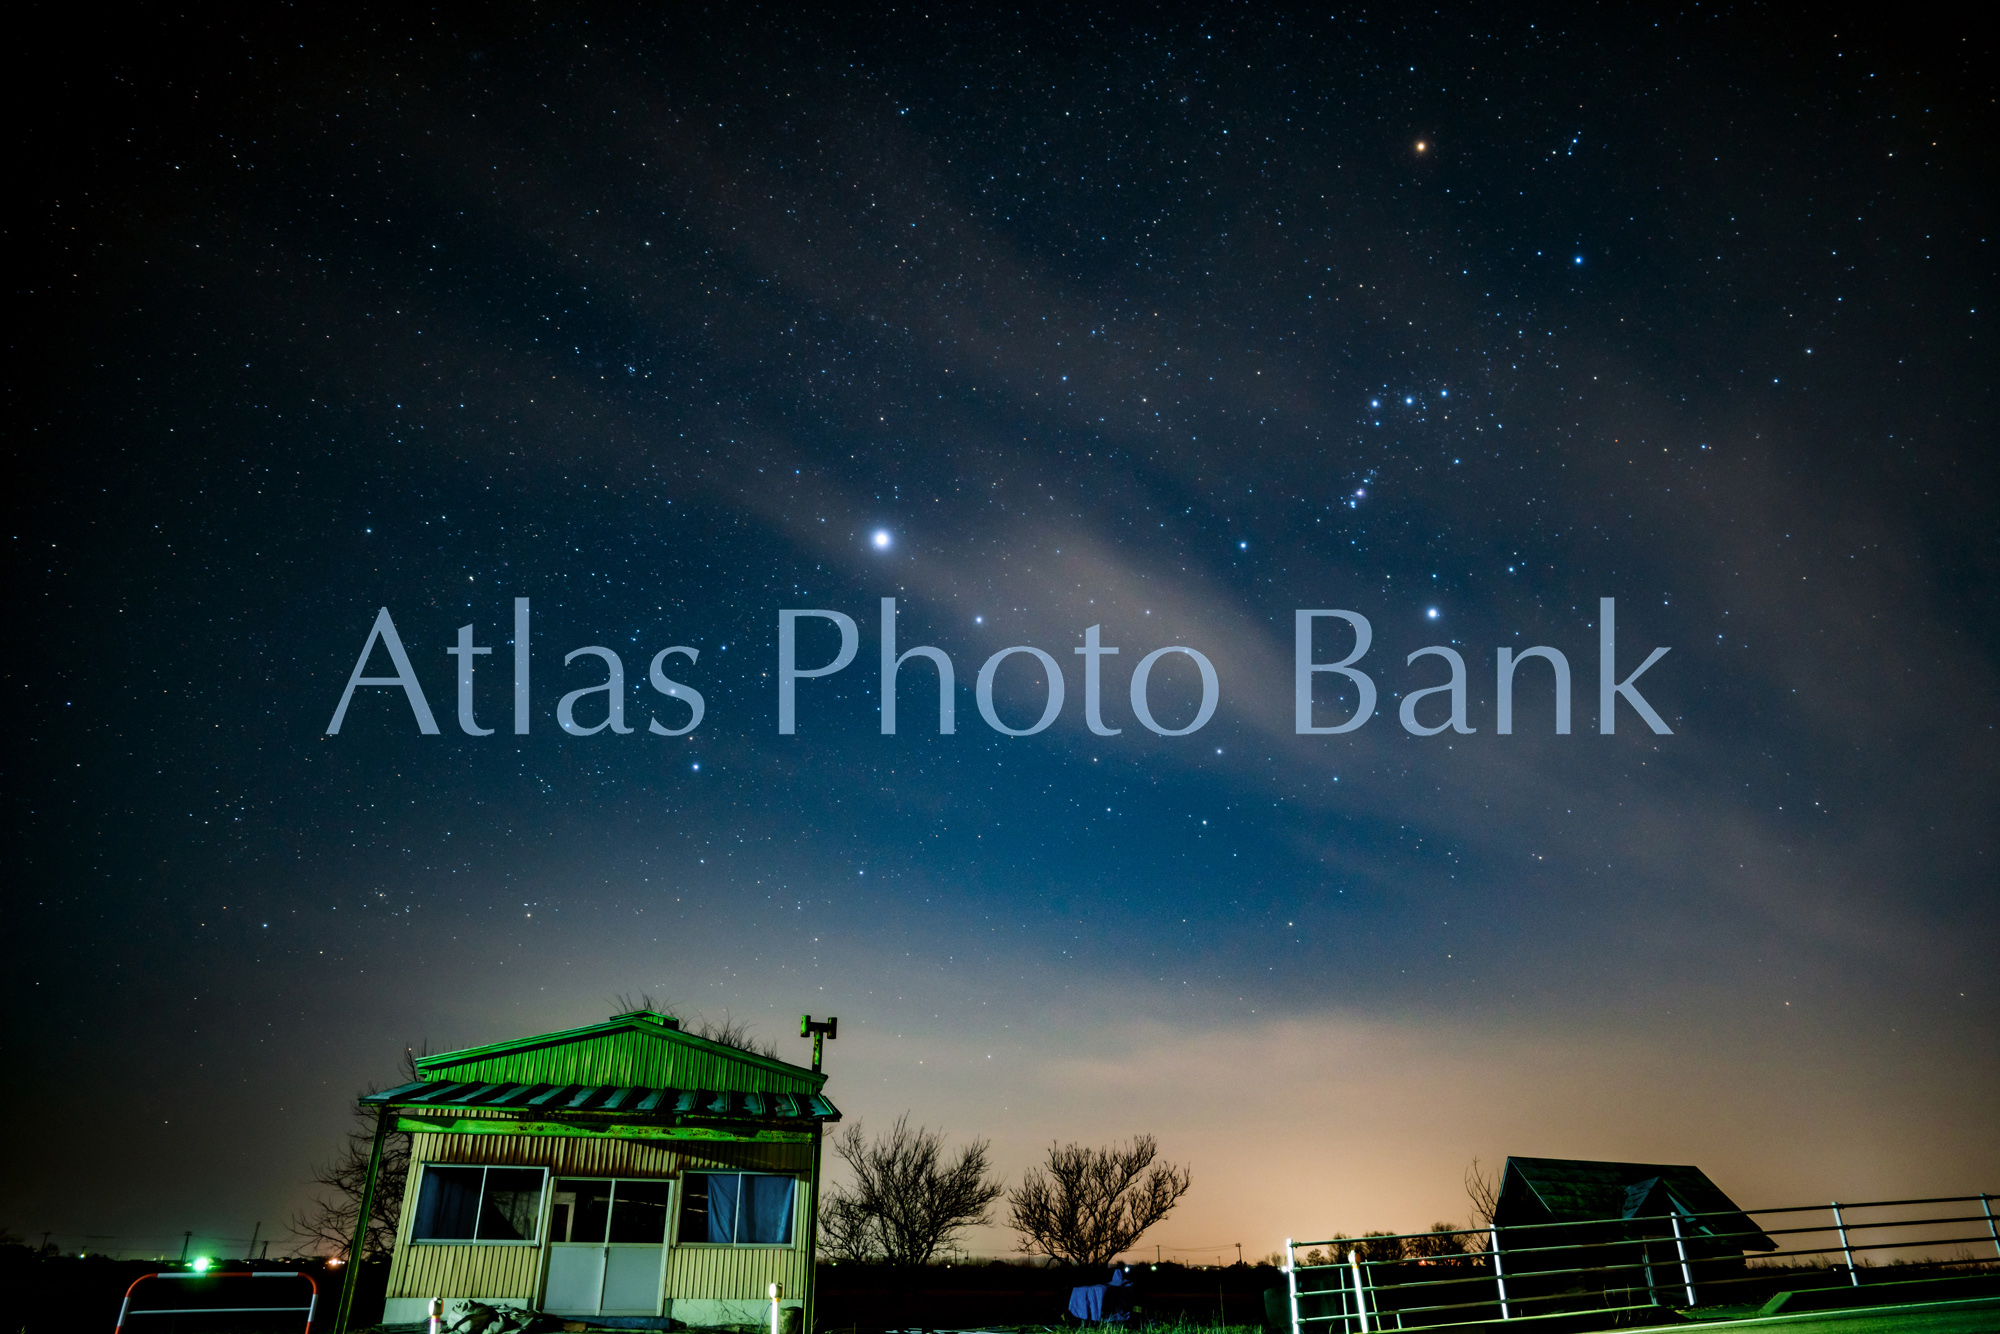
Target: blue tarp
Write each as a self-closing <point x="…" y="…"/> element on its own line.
<point x="1103" y="1303"/>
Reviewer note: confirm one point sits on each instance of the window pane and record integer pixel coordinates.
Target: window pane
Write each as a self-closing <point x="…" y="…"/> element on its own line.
<point x="766" y="1212"/>
<point x="694" y="1207"/>
<point x="722" y="1192"/>
<point x="512" y="1205"/>
<point x="447" y="1204"/>
<point x="589" y="1205"/>
<point x="640" y="1212"/>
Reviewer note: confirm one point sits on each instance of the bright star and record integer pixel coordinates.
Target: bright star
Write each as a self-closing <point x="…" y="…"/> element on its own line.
<point x="881" y="539"/>
<point x="1432" y="613"/>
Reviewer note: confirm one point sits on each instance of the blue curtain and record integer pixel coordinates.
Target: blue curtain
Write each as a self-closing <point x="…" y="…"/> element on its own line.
<point x="448" y="1204"/>
<point x="767" y="1210"/>
<point x="722" y="1192"/>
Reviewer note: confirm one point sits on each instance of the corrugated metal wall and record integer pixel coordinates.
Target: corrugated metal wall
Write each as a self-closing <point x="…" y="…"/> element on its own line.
<point x="466" y="1271"/>
<point x="567" y="1156"/>
<point x="734" y="1273"/>
<point x="430" y="1269"/>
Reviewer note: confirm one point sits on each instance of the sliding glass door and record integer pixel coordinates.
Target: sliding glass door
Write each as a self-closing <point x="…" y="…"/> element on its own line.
<point x="607" y="1247"/>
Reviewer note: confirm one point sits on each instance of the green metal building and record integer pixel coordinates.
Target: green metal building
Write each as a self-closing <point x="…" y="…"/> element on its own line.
<point x="627" y="1171"/>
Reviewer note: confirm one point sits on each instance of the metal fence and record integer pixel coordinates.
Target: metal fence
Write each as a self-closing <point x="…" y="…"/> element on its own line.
<point x="1624" y="1268"/>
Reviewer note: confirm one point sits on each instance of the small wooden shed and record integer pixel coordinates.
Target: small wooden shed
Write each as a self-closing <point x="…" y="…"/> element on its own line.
<point x="626" y="1171"/>
<point x="1661" y="1228"/>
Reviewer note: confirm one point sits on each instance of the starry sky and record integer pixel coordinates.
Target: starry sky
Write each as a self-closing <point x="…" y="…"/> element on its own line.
<point x="668" y="318"/>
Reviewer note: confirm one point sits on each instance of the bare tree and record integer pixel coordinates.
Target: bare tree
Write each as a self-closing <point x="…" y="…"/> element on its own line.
<point x="846" y="1230"/>
<point x="726" y="1033"/>
<point x="1483" y="1189"/>
<point x="735" y="1035"/>
<point x="1380" y="1247"/>
<point x="328" y="1221"/>
<point x="1090" y="1204"/>
<point x="907" y="1201"/>
<point x="1335" y="1253"/>
<point x="1441" y="1245"/>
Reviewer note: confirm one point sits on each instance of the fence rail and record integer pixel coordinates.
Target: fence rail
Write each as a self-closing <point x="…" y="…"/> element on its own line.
<point x="1621" y="1268"/>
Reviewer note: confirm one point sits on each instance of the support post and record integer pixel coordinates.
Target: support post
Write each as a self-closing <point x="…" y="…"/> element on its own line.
<point x="1680" y="1248"/>
<point x="819" y="1033"/>
<point x="806" y="1325"/>
<point x="351" y="1280"/>
<point x="1840" y="1225"/>
<point x="1986" y="1203"/>
<point x="1360" y="1300"/>
<point x="1499" y="1274"/>
<point x="1292" y="1281"/>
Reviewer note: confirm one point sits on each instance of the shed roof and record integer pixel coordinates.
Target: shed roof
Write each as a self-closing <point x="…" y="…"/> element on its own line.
<point x="637" y="1075"/>
<point x="1574" y="1190"/>
<point x="636" y="1049"/>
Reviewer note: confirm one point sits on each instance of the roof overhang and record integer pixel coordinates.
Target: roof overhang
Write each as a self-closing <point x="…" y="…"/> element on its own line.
<point x="584" y="1111"/>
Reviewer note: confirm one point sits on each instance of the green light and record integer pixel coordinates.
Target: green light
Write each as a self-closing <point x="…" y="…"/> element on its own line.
<point x="201" y="1264"/>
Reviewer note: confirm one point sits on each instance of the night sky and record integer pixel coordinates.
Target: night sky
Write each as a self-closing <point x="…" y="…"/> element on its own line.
<point x="669" y="318"/>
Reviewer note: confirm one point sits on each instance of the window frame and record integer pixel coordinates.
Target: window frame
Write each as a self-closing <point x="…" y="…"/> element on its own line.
<point x="478" y="1207"/>
<point x="673" y="1206"/>
<point x="795" y="1226"/>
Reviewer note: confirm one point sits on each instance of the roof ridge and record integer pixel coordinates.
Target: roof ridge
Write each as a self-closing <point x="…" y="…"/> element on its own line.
<point x="635" y="1021"/>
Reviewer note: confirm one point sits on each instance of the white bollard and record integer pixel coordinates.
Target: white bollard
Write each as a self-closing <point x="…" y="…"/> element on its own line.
<point x="777" y="1291"/>
<point x="436" y="1314"/>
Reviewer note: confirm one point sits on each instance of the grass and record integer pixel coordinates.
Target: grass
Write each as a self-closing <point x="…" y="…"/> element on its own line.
<point x="1136" y="1327"/>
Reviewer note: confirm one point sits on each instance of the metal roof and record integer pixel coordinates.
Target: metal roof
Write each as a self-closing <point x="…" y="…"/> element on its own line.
<point x="602" y="1101"/>
<point x="637" y="1048"/>
<point x="1564" y="1190"/>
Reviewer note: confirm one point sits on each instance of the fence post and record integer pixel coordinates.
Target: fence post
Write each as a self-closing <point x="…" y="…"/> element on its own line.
<point x="1853" y="1275"/>
<point x="1360" y="1302"/>
<point x="1680" y="1247"/>
<point x="1291" y="1282"/>
<point x="1986" y="1203"/>
<point x="1646" y="1260"/>
<point x="1499" y="1275"/>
